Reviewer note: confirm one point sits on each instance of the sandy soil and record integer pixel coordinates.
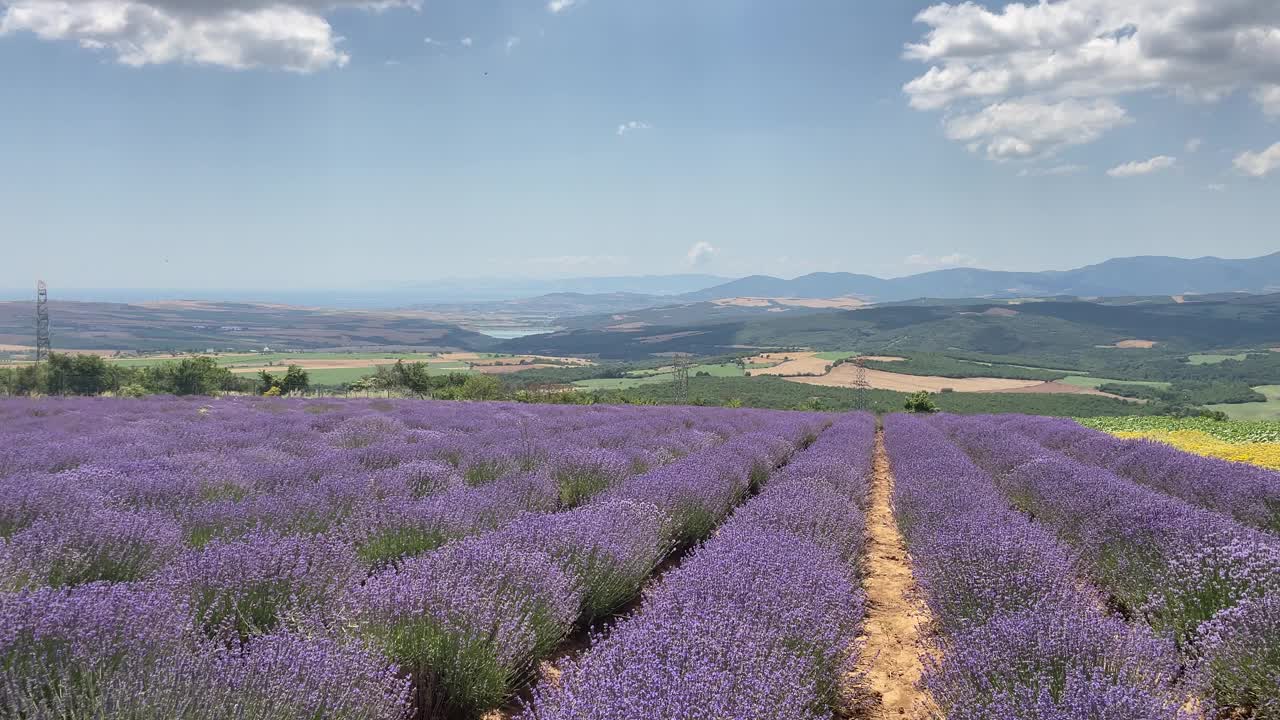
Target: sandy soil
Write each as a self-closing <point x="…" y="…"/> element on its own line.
<point x="508" y="369"/>
<point x="894" y="630"/>
<point x="1000" y="312"/>
<point x="744" y="302"/>
<point x="637" y="325"/>
<point x="1136" y="344"/>
<point x="1059" y="388"/>
<point x="801" y="363"/>
<point x="843" y="376"/>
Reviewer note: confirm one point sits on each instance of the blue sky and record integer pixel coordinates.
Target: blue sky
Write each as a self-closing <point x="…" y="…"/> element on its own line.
<point x="237" y="143"/>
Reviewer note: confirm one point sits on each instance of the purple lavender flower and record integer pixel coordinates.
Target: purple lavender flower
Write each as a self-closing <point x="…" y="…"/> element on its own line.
<point x="59" y="646"/>
<point x="467" y="620"/>
<point x="1238" y="659"/>
<point x="88" y="545"/>
<point x="248" y="586"/>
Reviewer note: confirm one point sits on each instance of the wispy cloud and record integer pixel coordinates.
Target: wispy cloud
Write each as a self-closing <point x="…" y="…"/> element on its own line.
<point x="1194" y="145"/>
<point x="1259" y="164"/>
<point x="512" y="43"/>
<point x="1145" y="167"/>
<point x="935" y="262"/>
<point x="1216" y="187"/>
<point x="633" y="126"/>
<point x="559" y="6"/>
<point x="466" y="42"/>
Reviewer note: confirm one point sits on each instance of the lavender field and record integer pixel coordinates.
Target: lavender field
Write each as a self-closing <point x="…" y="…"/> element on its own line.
<point x="283" y="559"/>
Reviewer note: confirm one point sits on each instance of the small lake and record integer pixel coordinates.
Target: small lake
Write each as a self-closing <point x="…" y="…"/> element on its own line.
<point x="512" y="333"/>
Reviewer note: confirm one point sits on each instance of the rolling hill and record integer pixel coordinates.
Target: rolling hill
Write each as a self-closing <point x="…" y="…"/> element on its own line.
<point x="235" y="326"/>
<point x="1044" y="328"/>
<point x="1148" y="275"/>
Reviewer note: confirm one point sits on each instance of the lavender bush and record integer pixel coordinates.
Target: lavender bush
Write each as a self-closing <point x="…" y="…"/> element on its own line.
<point x="759" y="622"/>
<point x="237" y="589"/>
<point x="1020" y="637"/>
<point x="468" y="621"/>
<point x="1238" y="663"/>
<point x="323" y="559"/>
<point x="1248" y="493"/>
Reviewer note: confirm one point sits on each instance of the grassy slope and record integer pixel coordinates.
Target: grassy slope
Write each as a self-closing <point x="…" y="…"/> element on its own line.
<point x="1269" y="410"/>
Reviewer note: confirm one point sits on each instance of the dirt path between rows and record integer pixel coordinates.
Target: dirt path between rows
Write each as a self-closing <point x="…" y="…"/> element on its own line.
<point x="896" y="619"/>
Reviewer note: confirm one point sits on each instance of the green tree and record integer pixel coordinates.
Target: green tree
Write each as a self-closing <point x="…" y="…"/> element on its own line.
<point x="199" y="375"/>
<point x="921" y="402"/>
<point x="266" y="381"/>
<point x="295" y="380"/>
<point x="480" y="387"/>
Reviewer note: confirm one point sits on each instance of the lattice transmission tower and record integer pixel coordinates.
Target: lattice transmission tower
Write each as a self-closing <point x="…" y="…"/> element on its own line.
<point x="861" y="386"/>
<point x="43" y="344"/>
<point x="681" y="362"/>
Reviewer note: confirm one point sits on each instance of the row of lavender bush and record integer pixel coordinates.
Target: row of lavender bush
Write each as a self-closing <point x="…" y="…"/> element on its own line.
<point x="471" y="621"/>
<point x="1019" y="638"/>
<point x="394" y="479"/>
<point x="273" y="611"/>
<point x="759" y="622"/>
<point x="1195" y="576"/>
<point x="1248" y="493"/>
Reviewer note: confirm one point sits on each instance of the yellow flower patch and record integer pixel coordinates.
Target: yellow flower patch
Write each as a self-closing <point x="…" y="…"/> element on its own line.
<point x="1201" y="443"/>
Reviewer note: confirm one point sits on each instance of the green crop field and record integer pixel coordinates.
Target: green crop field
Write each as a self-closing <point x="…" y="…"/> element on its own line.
<point x="1269" y="410"/>
<point x="835" y="355"/>
<point x="660" y="375"/>
<point x="623" y="383"/>
<point x="1215" y="359"/>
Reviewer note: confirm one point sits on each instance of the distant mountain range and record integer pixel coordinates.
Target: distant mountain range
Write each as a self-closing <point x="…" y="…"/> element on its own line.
<point x="1135" y="276"/>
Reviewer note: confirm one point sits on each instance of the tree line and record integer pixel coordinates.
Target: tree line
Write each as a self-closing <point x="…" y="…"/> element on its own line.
<point x="87" y="375"/>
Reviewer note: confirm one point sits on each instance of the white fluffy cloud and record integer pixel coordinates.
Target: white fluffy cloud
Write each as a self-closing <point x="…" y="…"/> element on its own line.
<point x="1144" y="167"/>
<point x="559" y="6"/>
<point x="1027" y="129"/>
<point x="1259" y="164"/>
<point x="290" y="35"/>
<point x="700" y="253"/>
<point x="1090" y="52"/>
<point x="633" y="126"/>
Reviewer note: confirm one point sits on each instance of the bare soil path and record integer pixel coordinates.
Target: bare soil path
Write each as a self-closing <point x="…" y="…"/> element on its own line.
<point x="896" y="619"/>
